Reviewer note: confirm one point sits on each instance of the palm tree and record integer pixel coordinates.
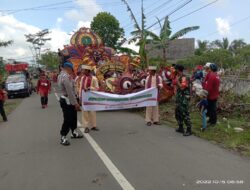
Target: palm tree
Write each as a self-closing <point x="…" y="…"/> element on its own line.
<point x="162" y="41"/>
<point x="140" y="35"/>
<point x="202" y="47"/>
<point x="221" y="44"/>
<point x="232" y="47"/>
<point x="237" y="44"/>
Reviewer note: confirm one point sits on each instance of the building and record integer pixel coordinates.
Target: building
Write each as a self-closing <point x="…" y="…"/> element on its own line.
<point x="177" y="49"/>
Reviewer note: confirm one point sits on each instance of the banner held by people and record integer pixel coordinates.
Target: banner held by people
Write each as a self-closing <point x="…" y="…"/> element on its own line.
<point x="98" y="101"/>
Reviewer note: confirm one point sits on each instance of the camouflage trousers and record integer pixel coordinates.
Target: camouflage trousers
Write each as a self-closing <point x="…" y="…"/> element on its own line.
<point x="182" y="115"/>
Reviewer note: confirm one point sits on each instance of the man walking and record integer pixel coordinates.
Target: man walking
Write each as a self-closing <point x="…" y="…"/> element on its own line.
<point x="212" y="86"/>
<point x="68" y="103"/>
<point x="152" y="112"/>
<point x="88" y="82"/>
<point x="182" y="102"/>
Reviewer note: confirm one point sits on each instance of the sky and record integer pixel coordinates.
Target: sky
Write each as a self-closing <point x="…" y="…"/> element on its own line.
<point x="224" y="18"/>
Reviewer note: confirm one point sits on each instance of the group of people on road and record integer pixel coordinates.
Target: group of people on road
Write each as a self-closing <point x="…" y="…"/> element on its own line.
<point x="71" y="89"/>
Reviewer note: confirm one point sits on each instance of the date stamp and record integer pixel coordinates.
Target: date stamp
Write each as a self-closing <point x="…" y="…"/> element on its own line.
<point x="219" y="182"/>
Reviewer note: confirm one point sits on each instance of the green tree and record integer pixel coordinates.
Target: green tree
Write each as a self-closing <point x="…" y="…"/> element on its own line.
<point x="4" y="44"/>
<point x="141" y="34"/>
<point x="50" y="60"/>
<point x="108" y="28"/>
<point x="221" y="44"/>
<point x="203" y="46"/>
<point x="162" y="41"/>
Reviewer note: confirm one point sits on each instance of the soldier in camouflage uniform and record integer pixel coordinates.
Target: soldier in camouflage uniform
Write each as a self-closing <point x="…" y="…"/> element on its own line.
<point x="182" y="102"/>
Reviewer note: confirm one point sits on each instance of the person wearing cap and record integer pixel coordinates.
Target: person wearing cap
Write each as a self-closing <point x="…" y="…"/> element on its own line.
<point x="88" y="82"/>
<point x="212" y="86"/>
<point x="68" y="103"/>
<point x="153" y="81"/>
<point x="43" y="88"/>
<point x="182" y="102"/>
<point x="206" y="73"/>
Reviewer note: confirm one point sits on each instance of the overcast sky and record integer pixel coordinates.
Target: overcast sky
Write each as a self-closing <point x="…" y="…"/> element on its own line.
<point x="225" y="18"/>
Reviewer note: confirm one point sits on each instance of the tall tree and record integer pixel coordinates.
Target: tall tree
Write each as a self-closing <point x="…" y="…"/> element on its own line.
<point x="203" y="46"/>
<point x="50" y="60"/>
<point x="237" y="44"/>
<point x="5" y="43"/>
<point x="221" y="44"/>
<point x="108" y="28"/>
<point x="162" y="41"/>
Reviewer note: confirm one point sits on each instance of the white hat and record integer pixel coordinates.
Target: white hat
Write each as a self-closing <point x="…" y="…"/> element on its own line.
<point x="207" y="65"/>
<point x="154" y="68"/>
<point x="86" y="67"/>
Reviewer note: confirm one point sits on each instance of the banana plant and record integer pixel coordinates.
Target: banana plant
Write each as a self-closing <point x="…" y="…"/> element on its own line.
<point x="141" y="34"/>
<point x="162" y="41"/>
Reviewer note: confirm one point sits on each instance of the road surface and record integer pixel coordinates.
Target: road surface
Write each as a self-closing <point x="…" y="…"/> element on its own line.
<point x="125" y="154"/>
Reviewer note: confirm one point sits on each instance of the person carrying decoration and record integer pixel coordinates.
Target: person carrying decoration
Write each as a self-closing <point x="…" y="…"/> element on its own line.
<point x="43" y="88"/>
<point x="152" y="112"/>
<point x="88" y="83"/>
<point x="68" y="103"/>
<point x="182" y="102"/>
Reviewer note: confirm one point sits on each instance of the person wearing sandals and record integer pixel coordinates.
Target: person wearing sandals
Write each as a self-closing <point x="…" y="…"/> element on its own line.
<point x="152" y="112"/>
<point x="88" y="82"/>
<point x="68" y="103"/>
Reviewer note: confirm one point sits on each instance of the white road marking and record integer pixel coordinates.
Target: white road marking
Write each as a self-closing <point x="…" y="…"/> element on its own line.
<point x="122" y="181"/>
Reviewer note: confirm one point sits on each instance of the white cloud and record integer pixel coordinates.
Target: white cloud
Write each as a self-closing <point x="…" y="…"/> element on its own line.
<point x="81" y="24"/>
<point x="13" y="29"/>
<point x="223" y="26"/>
<point x="88" y="9"/>
<point x="131" y="46"/>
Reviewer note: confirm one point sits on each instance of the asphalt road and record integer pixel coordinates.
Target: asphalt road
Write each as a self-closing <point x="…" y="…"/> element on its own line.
<point x="150" y="158"/>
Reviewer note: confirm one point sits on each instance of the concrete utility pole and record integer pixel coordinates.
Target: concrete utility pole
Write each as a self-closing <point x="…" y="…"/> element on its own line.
<point x="37" y="40"/>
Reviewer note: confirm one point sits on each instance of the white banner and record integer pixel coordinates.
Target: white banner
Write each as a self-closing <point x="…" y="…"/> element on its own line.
<point x="98" y="101"/>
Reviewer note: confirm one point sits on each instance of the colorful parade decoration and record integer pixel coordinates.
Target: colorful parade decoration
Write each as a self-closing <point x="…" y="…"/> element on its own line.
<point x="118" y="74"/>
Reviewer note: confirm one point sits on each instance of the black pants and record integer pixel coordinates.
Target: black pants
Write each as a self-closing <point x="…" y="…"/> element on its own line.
<point x="44" y="100"/>
<point x="211" y="111"/>
<point x="2" y="112"/>
<point x="69" y="117"/>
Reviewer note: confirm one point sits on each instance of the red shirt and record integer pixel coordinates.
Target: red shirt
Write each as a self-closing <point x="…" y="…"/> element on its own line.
<point x="2" y="95"/>
<point x="212" y="85"/>
<point x="43" y="85"/>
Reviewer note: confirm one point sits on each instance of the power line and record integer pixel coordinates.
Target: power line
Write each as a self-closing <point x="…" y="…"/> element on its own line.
<point x="131" y="25"/>
<point x="192" y="12"/>
<point x="172" y="12"/>
<point x="195" y="11"/>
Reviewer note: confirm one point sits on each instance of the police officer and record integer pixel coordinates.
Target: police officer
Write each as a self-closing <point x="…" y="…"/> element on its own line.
<point x="68" y="103"/>
<point x="182" y="102"/>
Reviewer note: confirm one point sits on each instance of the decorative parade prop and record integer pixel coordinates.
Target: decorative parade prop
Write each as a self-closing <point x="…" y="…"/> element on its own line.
<point x="117" y="74"/>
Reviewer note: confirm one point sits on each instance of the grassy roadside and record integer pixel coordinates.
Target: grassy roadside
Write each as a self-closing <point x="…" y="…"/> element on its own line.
<point x="223" y="134"/>
<point x="10" y="105"/>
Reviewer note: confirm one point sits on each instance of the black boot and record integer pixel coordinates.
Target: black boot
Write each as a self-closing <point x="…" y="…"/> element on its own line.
<point x="180" y="129"/>
<point x="188" y="132"/>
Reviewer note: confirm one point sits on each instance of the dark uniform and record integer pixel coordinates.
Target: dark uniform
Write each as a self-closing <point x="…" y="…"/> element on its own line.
<point x="182" y="105"/>
<point x="67" y="102"/>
